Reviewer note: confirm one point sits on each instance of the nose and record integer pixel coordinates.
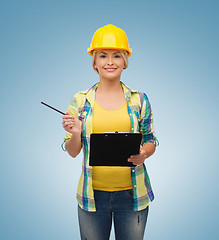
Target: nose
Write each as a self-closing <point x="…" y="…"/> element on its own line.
<point x="110" y="60"/>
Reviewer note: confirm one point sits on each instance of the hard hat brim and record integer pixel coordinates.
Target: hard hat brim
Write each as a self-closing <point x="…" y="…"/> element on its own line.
<point x="90" y="50"/>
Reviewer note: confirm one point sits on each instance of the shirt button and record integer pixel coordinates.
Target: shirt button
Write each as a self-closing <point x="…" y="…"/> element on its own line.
<point x="133" y="170"/>
<point x="134" y="185"/>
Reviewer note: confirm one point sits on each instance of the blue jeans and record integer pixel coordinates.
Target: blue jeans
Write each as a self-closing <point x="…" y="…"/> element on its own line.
<point x="116" y="206"/>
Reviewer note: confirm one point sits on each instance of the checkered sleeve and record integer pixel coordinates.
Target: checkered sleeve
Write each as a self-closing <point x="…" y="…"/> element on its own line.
<point x="146" y="121"/>
<point x="73" y="110"/>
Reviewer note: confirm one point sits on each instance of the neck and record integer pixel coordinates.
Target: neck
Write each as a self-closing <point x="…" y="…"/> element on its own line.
<point x="109" y="86"/>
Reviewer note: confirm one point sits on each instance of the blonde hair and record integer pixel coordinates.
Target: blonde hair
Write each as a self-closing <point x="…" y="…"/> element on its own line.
<point x="124" y="56"/>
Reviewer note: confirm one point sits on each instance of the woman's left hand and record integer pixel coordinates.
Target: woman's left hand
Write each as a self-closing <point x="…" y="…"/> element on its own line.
<point x="138" y="159"/>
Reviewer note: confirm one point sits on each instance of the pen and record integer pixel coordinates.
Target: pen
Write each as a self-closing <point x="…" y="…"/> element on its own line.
<point x="53" y="108"/>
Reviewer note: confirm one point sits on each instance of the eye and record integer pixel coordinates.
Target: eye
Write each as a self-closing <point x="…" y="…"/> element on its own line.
<point x="102" y="56"/>
<point x="117" y="56"/>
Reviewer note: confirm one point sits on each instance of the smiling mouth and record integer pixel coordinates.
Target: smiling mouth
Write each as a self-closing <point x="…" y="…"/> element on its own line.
<point x="110" y="69"/>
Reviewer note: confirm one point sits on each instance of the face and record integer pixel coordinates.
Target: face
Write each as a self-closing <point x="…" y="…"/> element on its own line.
<point x="109" y="63"/>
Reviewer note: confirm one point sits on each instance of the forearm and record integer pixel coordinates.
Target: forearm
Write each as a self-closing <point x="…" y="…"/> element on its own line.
<point x="149" y="149"/>
<point x="73" y="145"/>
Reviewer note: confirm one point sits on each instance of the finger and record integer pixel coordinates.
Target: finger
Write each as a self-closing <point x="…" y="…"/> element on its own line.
<point x="138" y="162"/>
<point x="68" y="121"/>
<point x="131" y="160"/>
<point x="135" y="157"/>
<point x="65" y="124"/>
<point x="67" y="117"/>
<point x="70" y="118"/>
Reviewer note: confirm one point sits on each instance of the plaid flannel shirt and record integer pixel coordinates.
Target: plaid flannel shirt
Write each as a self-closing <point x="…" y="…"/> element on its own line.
<point x="140" y="113"/>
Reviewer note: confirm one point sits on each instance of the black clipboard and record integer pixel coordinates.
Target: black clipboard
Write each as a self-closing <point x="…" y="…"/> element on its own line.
<point x="113" y="149"/>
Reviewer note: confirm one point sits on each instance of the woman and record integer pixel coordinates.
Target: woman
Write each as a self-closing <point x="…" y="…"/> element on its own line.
<point x="121" y="194"/>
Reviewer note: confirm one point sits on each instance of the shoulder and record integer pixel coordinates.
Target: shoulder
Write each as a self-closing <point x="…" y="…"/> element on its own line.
<point x="80" y="94"/>
<point x="140" y="96"/>
<point x="83" y="93"/>
<point x="143" y="96"/>
<point x="78" y="98"/>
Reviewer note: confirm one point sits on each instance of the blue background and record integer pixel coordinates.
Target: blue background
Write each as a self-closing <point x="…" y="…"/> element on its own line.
<point x="175" y="61"/>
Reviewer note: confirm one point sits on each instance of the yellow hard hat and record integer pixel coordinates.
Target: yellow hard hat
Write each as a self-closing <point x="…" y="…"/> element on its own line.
<point x="109" y="37"/>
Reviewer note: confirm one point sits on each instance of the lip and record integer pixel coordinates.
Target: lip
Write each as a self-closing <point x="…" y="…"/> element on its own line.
<point x="110" y="69"/>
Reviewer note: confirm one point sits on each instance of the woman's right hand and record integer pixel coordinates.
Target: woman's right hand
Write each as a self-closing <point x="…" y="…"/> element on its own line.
<point x="71" y="123"/>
